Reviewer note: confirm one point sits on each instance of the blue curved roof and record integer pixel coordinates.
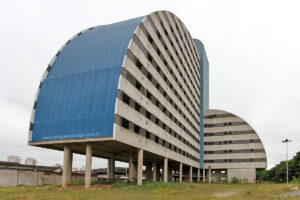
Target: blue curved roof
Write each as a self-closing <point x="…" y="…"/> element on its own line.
<point x="77" y="98"/>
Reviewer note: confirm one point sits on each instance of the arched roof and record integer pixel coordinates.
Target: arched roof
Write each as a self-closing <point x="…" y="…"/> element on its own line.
<point x="77" y="95"/>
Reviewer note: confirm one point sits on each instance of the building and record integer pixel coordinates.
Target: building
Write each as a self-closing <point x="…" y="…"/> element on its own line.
<point x="232" y="148"/>
<point x="31" y="161"/>
<point x="14" y="159"/>
<point x="128" y="91"/>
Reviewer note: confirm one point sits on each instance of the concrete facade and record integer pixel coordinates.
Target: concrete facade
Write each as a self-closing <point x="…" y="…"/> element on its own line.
<point x="231" y="144"/>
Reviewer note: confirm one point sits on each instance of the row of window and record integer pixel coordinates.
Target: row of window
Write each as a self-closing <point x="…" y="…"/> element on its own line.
<point x="218" y="116"/>
<point x="161" y="56"/>
<point x="177" y="55"/>
<point x="233" y="142"/>
<point x="121" y="121"/>
<point x="136" y="106"/>
<point x="147" y="74"/>
<point x="225" y="124"/>
<point x="235" y="151"/>
<point x="230" y="133"/>
<point x="196" y="68"/>
<point x="156" y="102"/>
<point x="236" y="160"/>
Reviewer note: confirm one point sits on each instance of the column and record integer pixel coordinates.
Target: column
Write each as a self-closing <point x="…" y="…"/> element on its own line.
<point x="131" y="168"/>
<point x="88" y="166"/>
<point x="203" y="176"/>
<point x="112" y="168"/>
<point x="170" y="173"/>
<point x="165" y="171"/>
<point x="108" y="169"/>
<point x="140" y="167"/>
<point x="66" y="167"/>
<point x="191" y="174"/>
<point x="149" y="171"/>
<point x="198" y="175"/>
<point x="154" y="171"/>
<point x="209" y="174"/>
<point x="180" y="172"/>
<point x="70" y="166"/>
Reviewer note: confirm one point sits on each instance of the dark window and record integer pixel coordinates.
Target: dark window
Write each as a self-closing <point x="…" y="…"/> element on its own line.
<point x="125" y="123"/>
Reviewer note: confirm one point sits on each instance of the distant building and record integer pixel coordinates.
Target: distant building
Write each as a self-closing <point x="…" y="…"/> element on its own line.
<point x="232" y="148"/>
<point x="31" y="161"/>
<point x="14" y="159"/>
<point x="15" y="165"/>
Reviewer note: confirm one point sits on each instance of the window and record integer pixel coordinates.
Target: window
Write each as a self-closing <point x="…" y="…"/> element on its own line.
<point x="125" y="123"/>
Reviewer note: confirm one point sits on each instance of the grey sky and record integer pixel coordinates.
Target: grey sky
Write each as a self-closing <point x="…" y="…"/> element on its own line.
<point x="253" y="48"/>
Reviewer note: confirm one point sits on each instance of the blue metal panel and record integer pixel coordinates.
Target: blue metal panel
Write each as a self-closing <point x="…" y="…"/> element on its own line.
<point x="204" y="93"/>
<point x="77" y="98"/>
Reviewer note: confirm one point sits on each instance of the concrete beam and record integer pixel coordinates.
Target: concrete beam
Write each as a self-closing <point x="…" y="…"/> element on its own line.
<point x="140" y="167"/>
<point x="165" y="171"/>
<point x="66" y="166"/>
<point x="88" y="166"/>
<point x="180" y="172"/>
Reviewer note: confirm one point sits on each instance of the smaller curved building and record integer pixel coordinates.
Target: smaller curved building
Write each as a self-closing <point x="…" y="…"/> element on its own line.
<point x="232" y="148"/>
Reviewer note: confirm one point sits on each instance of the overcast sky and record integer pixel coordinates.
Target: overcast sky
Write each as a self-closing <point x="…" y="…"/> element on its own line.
<point x="253" y="48"/>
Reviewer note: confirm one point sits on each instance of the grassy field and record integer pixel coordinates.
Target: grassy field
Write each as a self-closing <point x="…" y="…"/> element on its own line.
<point x="153" y="190"/>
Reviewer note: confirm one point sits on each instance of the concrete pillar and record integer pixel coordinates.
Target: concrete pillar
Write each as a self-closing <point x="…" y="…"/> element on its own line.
<point x="209" y="174"/>
<point x="203" y="175"/>
<point x="198" y="175"/>
<point x="88" y="166"/>
<point x="149" y="171"/>
<point x="131" y="168"/>
<point x="180" y="172"/>
<point x="165" y="171"/>
<point x="66" y="166"/>
<point x="170" y="173"/>
<point x="112" y="167"/>
<point x="158" y="171"/>
<point x="191" y="174"/>
<point x="154" y="173"/>
<point x="70" y="166"/>
<point x="140" y="167"/>
<point x="108" y="169"/>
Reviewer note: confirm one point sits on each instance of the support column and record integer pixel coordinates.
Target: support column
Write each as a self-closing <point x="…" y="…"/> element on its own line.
<point x="140" y="167"/>
<point x="70" y="166"/>
<point x="66" y="167"/>
<point x="154" y="171"/>
<point x="198" y="175"/>
<point x="170" y="173"/>
<point x="131" y="168"/>
<point x="165" y="171"/>
<point x="112" y="168"/>
<point x="203" y="175"/>
<point x="108" y="169"/>
<point x="209" y="174"/>
<point x="180" y="172"/>
<point x="149" y="171"/>
<point x="158" y="171"/>
<point x="191" y="174"/>
<point x="88" y="166"/>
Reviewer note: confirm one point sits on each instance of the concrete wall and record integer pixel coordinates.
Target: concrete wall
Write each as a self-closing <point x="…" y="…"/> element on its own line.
<point x="14" y="177"/>
<point x="245" y="175"/>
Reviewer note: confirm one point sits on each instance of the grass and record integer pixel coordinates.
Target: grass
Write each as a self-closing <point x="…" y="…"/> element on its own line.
<point x="151" y="190"/>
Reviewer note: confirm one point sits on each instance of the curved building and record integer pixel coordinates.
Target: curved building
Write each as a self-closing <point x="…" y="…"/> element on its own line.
<point x="232" y="148"/>
<point x="128" y="91"/>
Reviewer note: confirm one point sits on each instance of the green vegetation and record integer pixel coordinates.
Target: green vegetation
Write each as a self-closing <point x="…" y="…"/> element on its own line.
<point x="278" y="173"/>
<point x="152" y="190"/>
